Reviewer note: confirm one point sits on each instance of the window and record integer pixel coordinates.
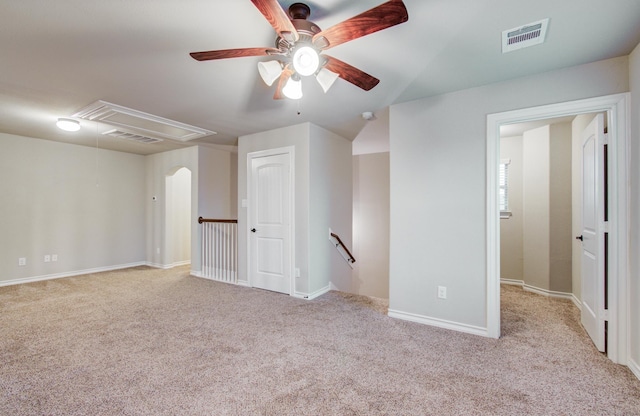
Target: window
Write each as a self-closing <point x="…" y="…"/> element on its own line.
<point x="503" y="179"/>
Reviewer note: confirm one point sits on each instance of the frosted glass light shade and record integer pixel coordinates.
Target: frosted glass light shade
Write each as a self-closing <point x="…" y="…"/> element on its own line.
<point x="68" y="124"/>
<point x="269" y="71"/>
<point x="293" y="89"/>
<point x="306" y="61"/>
<point x="326" y="78"/>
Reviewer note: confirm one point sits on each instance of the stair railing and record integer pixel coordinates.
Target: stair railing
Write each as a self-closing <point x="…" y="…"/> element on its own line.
<point x="342" y="248"/>
<point x="219" y="249"/>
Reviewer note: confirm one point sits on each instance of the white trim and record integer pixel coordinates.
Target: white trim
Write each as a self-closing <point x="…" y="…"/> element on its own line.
<point x="291" y="152"/>
<point x="512" y="282"/>
<point x="634" y="367"/>
<point x="200" y="275"/>
<point x="617" y="107"/>
<point x="311" y="296"/>
<point x="543" y="292"/>
<point x="576" y="301"/>
<point x="440" y="323"/>
<point x="547" y="293"/>
<point x="71" y="274"/>
<point x="168" y="266"/>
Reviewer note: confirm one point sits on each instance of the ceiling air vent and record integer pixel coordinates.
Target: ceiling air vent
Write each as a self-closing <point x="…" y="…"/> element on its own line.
<point x="141" y="123"/>
<point x="524" y="36"/>
<point x="130" y="136"/>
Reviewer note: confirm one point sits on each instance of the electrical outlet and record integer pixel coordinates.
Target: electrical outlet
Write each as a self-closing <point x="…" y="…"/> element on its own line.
<point x="442" y="292"/>
<point x="47" y="258"/>
<point x="22" y="261"/>
<point x="54" y="257"/>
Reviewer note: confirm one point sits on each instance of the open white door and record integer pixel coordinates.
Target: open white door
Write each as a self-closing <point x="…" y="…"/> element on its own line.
<point x="270" y="222"/>
<point x="593" y="231"/>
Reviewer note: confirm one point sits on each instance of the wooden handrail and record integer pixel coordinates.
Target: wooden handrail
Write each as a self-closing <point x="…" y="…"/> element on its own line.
<point x="340" y="243"/>
<point x="201" y="220"/>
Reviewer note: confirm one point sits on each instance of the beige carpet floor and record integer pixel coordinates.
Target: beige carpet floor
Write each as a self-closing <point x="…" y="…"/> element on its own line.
<point x="160" y="342"/>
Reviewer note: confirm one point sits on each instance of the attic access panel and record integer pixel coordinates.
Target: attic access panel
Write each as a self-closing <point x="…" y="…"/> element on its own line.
<point x="138" y="122"/>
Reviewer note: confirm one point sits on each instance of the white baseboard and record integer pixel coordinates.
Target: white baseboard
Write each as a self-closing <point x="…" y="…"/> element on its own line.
<point x="576" y="301"/>
<point x="634" y="367"/>
<point x="548" y="293"/>
<point x="311" y="296"/>
<point x="201" y="275"/>
<point x="70" y="274"/>
<point x="543" y="292"/>
<point x="440" y="323"/>
<point x="168" y="266"/>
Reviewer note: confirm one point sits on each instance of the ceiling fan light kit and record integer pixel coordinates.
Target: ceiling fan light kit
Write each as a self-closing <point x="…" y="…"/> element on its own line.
<point x="306" y="61"/>
<point x="270" y="71"/>
<point x="326" y="78"/>
<point x="300" y="42"/>
<point x="293" y="88"/>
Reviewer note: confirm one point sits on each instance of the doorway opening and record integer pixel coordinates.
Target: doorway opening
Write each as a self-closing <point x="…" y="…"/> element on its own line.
<point x="178" y="222"/>
<point x="616" y="107"/>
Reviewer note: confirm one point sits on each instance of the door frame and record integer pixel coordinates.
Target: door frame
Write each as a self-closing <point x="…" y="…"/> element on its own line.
<point x="290" y="151"/>
<point x="617" y="108"/>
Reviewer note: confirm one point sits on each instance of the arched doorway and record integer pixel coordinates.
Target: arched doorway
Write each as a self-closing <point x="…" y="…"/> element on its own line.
<point x="178" y="217"/>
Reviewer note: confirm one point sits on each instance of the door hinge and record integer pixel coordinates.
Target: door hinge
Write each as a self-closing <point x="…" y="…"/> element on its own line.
<point x="605" y="138"/>
<point x="605" y="314"/>
<point x="605" y="226"/>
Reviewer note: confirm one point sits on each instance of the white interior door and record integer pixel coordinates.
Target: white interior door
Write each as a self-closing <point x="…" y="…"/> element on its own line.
<point x="270" y="222"/>
<point x="593" y="233"/>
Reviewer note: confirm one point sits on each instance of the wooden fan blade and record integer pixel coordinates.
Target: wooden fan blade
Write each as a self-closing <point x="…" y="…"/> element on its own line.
<point x="277" y="17"/>
<point x="382" y="17"/>
<point x="284" y="77"/>
<point x="350" y="73"/>
<point x="232" y="53"/>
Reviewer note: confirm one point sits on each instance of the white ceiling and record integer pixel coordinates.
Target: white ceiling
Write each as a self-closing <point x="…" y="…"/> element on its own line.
<point x="57" y="57"/>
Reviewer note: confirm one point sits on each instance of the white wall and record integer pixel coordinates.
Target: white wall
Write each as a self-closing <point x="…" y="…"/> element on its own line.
<point x="438" y="235"/>
<point x="83" y="204"/>
<point x="322" y="201"/>
<point x="560" y="239"/>
<point x="511" y="239"/>
<point x="371" y="225"/>
<point x="158" y="166"/>
<point x="536" y="172"/>
<point x="330" y="207"/>
<point x="547" y="207"/>
<point x="210" y="196"/>
<point x="634" y="184"/>
<point x="178" y="219"/>
<point x="540" y="201"/>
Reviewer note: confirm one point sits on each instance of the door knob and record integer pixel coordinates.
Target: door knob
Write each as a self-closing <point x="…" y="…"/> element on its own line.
<point x="579" y="238"/>
<point x="253" y="230"/>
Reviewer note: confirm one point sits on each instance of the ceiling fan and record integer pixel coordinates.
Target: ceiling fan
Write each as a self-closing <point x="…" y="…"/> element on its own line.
<point x="300" y="42"/>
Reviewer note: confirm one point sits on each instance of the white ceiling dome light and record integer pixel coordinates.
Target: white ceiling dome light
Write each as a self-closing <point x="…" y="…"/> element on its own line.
<point x="68" y="124"/>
